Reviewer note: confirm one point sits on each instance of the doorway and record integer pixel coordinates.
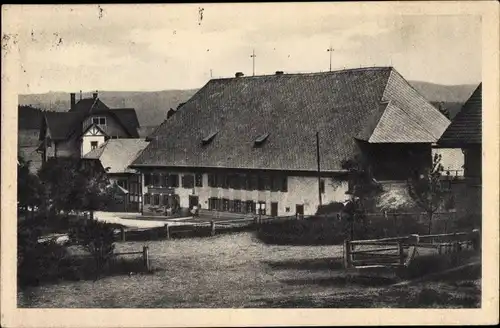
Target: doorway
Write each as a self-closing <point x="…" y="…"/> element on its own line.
<point x="193" y="201"/>
<point x="299" y="210"/>
<point x="274" y="209"/>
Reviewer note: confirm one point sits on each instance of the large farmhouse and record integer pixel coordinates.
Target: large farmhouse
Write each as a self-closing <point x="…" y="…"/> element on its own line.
<point x="276" y="144"/>
<point x="86" y="126"/>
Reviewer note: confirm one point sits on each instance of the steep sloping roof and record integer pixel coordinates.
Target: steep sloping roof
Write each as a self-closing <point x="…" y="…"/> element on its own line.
<point x="291" y="108"/>
<point x="86" y="105"/>
<point x="60" y="124"/>
<point x="128" y="118"/>
<point x="117" y="154"/>
<point x="466" y="126"/>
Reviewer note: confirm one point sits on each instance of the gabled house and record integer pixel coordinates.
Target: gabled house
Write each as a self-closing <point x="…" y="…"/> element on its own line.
<point x="84" y="127"/>
<point x="275" y="144"/>
<point x="114" y="157"/>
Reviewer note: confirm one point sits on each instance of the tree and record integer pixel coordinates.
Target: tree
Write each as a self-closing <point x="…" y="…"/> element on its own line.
<point x="362" y="188"/>
<point x="427" y="189"/>
<point x="29" y="188"/>
<point x="443" y="109"/>
<point x="71" y="185"/>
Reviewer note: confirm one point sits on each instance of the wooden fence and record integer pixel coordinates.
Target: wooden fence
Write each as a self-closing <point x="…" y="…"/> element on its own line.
<point x="198" y="229"/>
<point x="144" y="253"/>
<point x="399" y="252"/>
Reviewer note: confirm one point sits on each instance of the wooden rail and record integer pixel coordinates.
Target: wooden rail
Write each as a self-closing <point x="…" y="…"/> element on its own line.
<point x="403" y="254"/>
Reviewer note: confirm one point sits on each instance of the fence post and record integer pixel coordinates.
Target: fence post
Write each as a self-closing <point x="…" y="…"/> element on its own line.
<point x="401" y="252"/>
<point x="145" y="256"/>
<point x="347" y="254"/>
<point x="476" y="240"/>
<point x="212" y="228"/>
<point x="122" y="233"/>
<point x="167" y="230"/>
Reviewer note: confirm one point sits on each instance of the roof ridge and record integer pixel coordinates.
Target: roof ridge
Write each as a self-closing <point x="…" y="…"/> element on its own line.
<point x="346" y="70"/>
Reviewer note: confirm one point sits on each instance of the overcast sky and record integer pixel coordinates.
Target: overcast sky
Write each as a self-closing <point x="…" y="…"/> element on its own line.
<point x="142" y="48"/>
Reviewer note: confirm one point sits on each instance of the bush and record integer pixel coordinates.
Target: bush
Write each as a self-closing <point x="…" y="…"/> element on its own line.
<point x="97" y="238"/>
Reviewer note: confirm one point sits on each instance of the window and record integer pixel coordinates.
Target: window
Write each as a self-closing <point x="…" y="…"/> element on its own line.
<point x="264" y="182"/>
<point x="165" y="199"/>
<point x="212" y="203"/>
<point x="188" y="181"/>
<point x="157" y="179"/>
<point x="237" y="206"/>
<point x="262" y="208"/>
<point x="284" y="184"/>
<point x="276" y="182"/>
<point x="225" y="205"/>
<point x="147" y="199"/>
<point x="99" y="120"/>
<point x="156" y="199"/>
<point x="198" y="180"/>
<point x="147" y="179"/>
<point x="93" y="145"/>
<point x="250" y="206"/>
<point x="173" y="181"/>
<point x="212" y="180"/>
<point x="220" y="180"/>
<point x="322" y="186"/>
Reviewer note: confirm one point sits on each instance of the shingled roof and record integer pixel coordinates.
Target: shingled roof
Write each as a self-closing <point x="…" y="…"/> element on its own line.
<point x="465" y="129"/>
<point x="375" y="105"/>
<point x="117" y="154"/>
<point x="59" y="124"/>
<point x="65" y="124"/>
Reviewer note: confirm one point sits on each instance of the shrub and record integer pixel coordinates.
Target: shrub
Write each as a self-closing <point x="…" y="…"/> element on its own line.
<point x="97" y="238"/>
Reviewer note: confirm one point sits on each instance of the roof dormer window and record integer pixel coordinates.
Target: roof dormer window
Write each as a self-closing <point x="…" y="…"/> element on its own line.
<point x="259" y="141"/>
<point x="208" y="139"/>
<point x="99" y="120"/>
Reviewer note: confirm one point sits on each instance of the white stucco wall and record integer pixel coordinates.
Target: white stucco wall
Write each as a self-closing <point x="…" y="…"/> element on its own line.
<point x="87" y="140"/>
<point x="301" y="191"/>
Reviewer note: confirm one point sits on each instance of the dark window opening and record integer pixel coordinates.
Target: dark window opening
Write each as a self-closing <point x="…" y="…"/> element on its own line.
<point x="237" y="206"/>
<point x="188" y="181"/>
<point x="212" y="182"/>
<point x="225" y="205"/>
<point x="147" y="179"/>
<point x="147" y="199"/>
<point x="284" y="184"/>
<point x="93" y="145"/>
<point x="173" y="181"/>
<point x="199" y="180"/>
<point x="156" y="199"/>
<point x="250" y="206"/>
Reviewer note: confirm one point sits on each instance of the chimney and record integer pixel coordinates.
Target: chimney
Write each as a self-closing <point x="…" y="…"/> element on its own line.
<point x="279" y="73"/>
<point x="80" y="94"/>
<point x="73" y="100"/>
<point x="94" y="95"/>
<point x="239" y="74"/>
